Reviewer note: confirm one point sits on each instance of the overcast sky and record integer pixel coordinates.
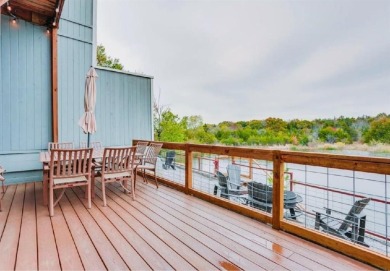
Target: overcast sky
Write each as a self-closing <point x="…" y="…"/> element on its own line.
<point x="244" y="60"/>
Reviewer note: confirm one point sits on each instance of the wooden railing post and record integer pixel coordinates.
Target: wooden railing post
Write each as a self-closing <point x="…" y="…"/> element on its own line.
<point x="278" y="190"/>
<point x="188" y="172"/>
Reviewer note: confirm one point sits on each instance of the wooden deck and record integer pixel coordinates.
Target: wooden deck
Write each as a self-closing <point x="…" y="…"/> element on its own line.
<point x="162" y="229"/>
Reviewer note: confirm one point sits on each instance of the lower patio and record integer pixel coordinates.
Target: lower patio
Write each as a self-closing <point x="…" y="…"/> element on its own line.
<point x="162" y="229"/>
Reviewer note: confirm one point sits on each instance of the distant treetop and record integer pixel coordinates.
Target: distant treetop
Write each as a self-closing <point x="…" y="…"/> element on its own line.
<point x="103" y="60"/>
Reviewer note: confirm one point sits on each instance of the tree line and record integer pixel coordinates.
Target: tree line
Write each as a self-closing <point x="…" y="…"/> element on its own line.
<point x="271" y="131"/>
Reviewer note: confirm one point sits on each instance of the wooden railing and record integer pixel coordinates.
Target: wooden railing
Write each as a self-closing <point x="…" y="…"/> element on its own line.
<point x="279" y="158"/>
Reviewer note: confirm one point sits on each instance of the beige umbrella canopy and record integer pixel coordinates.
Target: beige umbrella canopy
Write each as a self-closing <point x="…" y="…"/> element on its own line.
<point x="87" y="121"/>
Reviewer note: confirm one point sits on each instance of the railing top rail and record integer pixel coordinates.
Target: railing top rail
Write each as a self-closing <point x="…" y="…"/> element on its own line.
<point x="348" y="162"/>
<point x="337" y="156"/>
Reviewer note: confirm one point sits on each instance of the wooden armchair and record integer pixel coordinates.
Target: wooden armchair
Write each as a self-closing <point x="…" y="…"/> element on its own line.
<point x="59" y="145"/>
<point x="2" y="180"/>
<point x="96" y="145"/>
<point x="69" y="168"/>
<point x="150" y="160"/>
<point x="118" y="166"/>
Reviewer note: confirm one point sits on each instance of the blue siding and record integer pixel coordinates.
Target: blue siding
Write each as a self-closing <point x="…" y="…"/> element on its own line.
<point x="123" y="108"/>
<point x="25" y="104"/>
<point x="74" y="60"/>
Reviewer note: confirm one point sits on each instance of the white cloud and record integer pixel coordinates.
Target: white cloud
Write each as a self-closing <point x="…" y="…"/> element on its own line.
<point x="240" y="60"/>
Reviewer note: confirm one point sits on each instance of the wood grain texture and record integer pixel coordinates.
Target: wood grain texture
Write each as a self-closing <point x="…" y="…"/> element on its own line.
<point x="27" y="253"/>
<point x="162" y="229"/>
<point x="54" y="83"/>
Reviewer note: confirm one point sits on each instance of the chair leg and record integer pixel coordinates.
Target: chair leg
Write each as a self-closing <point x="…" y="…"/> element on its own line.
<point x="104" y="193"/>
<point x="45" y="186"/>
<point x="51" y="201"/>
<point x="318" y="221"/>
<point x="132" y="181"/>
<point x="89" y="195"/>
<point x="124" y="185"/>
<point x="155" y="178"/>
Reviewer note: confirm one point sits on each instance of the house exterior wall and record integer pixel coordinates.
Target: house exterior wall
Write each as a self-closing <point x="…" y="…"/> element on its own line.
<point x="25" y="103"/>
<point x="75" y="37"/>
<point x="123" y="109"/>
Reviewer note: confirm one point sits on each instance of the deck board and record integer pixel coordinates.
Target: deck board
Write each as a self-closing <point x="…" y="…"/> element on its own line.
<point x="47" y="249"/>
<point x="105" y="248"/>
<point x="258" y="232"/>
<point x="67" y="251"/>
<point x="27" y="258"/>
<point x="9" y="247"/>
<point x="162" y="229"/>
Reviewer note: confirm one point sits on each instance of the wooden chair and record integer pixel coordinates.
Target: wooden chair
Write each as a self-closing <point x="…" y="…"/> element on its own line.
<point x="141" y="147"/>
<point x="59" y="145"/>
<point x="96" y="145"/>
<point x="118" y="166"/>
<point x="150" y="160"/>
<point x="69" y="168"/>
<point x="2" y="180"/>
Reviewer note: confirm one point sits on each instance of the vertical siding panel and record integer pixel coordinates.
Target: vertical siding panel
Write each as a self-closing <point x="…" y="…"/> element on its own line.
<point x="6" y="88"/>
<point x="123" y="108"/>
<point x="22" y="79"/>
<point x="126" y="108"/>
<point x="88" y="13"/>
<point x="37" y="87"/>
<point x="1" y="80"/>
<point x="14" y="84"/>
<point x="46" y="81"/>
<point x="30" y="89"/>
<point x="82" y="10"/>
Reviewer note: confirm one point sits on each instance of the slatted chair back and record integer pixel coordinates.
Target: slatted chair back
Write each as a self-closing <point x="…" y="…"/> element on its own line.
<point x="70" y="163"/>
<point x="234" y="173"/>
<point x="356" y="209"/>
<point x="118" y="160"/>
<point x="260" y="192"/>
<point x="96" y="145"/>
<point x="59" y="145"/>
<point x="222" y="179"/>
<point x="152" y="153"/>
<point x="141" y="147"/>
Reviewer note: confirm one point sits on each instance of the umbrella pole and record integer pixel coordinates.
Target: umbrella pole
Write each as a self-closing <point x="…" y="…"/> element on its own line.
<point x="88" y="140"/>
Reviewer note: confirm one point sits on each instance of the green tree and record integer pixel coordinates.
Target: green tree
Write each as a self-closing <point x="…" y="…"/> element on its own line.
<point x="332" y="134"/>
<point x="103" y="60"/>
<point x="172" y="128"/>
<point x="379" y="130"/>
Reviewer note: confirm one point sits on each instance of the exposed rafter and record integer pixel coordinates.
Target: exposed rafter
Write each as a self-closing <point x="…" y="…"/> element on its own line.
<point x="40" y="12"/>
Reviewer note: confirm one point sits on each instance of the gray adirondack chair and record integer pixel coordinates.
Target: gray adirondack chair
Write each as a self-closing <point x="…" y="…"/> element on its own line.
<point x="351" y="227"/>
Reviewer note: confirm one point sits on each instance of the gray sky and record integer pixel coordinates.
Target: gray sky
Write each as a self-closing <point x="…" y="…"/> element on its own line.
<point x="243" y="60"/>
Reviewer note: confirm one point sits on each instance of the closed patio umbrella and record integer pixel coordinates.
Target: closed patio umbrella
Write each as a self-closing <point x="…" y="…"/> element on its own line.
<point x="87" y="121"/>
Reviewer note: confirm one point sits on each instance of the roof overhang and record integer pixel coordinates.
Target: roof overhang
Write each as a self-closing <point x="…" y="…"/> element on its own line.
<point x="40" y="12"/>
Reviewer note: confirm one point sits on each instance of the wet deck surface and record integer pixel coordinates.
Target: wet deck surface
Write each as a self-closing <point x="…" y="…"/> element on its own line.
<point x="162" y="229"/>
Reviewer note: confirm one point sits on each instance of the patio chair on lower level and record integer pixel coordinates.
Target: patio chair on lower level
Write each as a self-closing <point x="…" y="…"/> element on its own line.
<point x="69" y="168"/>
<point x="260" y="197"/>
<point x="351" y="226"/>
<point x="220" y="189"/>
<point x="229" y="190"/>
<point x="169" y="160"/>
